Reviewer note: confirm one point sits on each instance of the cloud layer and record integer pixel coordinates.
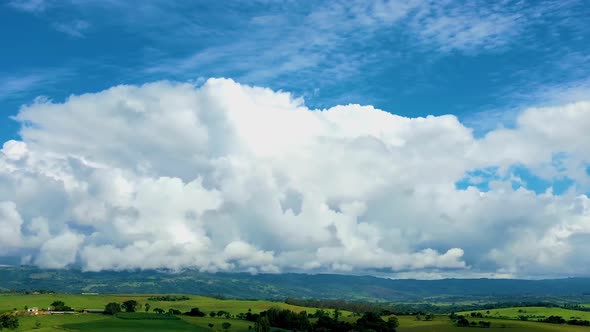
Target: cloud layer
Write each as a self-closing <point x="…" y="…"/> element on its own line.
<point x="227" y="177"/>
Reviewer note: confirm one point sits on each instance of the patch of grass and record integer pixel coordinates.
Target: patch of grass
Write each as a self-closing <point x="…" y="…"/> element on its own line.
<point x="51" y="323"/>
<point x="145" y="316"/>
<point x="205" y="304"/>
<point x="237" y="325"/>
<point x="443" y="324"/>
<point x="533" y="313"/>
<point x="133" y="325"/>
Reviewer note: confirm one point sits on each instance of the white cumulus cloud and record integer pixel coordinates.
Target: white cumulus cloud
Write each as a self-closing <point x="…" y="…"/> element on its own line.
<point x="228" y="177"/>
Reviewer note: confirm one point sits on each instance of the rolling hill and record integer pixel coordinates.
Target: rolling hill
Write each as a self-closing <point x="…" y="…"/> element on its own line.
<point x="280" y="286"/>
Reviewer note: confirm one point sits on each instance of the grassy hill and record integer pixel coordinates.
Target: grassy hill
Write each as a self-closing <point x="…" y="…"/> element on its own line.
<point x="533" y="313"/>
<point x="206" y="304"/>
<point x="442" y="324"/>
<point x="280" y="286"/>
<point x="98" y="322"/>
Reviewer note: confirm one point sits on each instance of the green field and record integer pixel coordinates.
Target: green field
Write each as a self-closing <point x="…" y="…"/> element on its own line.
<point x="501" y="319"/>
<point x="533" y="313"/>
<point x="9" y="302"/>
<point x="98" y="322"/>
<point x="442" y="324"/>
<point x="133" y="325"/>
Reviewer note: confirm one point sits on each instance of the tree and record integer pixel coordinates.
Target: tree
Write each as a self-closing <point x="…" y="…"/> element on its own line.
<point x="319" y="313"/>
<point x="37" y="325"/>
<point x="212" y="314"/>
<point x="221" y="313"/>
<point x="462" y="321"/>
<point x="225" y="325"/>
<point x="336" y="314"/>
<point x="195" y="312"/>
<point x="210" y="325"/>
<point x="130" y="305"/>
<point x="262" y="325"/>
<point x="392" y="322"/>
<point x="8" y="321"/>
<point x="147" y="307"/>
<point x="174" y="312"/>
<point x="112" y="308"/>
<point x="372" y="321"/>
<point x="60" y="306"/>
<point x="57" y="304"/>
<point x="158" y="310"/>
<point x="484" y="324"/>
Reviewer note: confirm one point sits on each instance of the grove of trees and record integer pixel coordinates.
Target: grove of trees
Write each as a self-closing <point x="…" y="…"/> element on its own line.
<point x="8" y="321"/>
<point x="60" y="306"/>
<point x="112" y="308"/>
<point x="129" y="305"/>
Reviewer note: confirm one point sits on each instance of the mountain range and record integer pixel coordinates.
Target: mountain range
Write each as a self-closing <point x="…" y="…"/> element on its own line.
<point x="293" y="285"/>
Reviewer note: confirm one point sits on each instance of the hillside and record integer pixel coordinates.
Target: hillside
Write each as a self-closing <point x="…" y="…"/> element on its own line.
<point x="280" y="286"/>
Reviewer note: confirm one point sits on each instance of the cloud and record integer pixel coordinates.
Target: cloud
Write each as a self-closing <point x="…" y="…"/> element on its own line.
<point x="10" y="232"/>
<point x="17" y="85"/>
<point x="14" y="150"/>
<point x="14" y="85"/>
<point x="227" y="177"/>
<point x="32" y="6"/>
<point x="293" y="39"/>
<point x="468" y="28"/>
<point x="74" y="29"/>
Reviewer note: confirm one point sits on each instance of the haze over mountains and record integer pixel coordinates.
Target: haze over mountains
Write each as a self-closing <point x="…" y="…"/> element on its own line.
<point x="300" y="286"/>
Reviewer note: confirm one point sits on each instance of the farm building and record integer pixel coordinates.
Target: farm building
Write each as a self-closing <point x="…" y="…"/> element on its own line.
<point x="33" y="311"/>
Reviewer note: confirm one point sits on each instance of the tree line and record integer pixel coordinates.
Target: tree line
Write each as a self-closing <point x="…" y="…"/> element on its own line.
<point x="289" y="320"/>
<point x="170" y="298"/>
<point x="413" y="309"/>
<point x="355" y="307"/>
<point x="462" y="321"/>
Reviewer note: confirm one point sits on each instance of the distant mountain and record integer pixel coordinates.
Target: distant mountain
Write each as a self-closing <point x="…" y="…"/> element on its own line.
<point x="281" y="286"/>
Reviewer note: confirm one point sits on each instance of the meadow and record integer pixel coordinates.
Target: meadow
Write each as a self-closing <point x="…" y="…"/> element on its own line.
<point x="9" y="302"/>
<point x="533" y="313"/>
<point x="99" y="322"/>
<point x="501" y="319"/>
<point x="442" y="324"/>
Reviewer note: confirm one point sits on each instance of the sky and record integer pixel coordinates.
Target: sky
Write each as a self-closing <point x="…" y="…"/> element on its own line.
<point x="405" y="139"/>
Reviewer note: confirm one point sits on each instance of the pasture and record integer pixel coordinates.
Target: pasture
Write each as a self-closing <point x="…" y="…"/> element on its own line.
<point x="533" y="313"/>
<point x="99" y="322"/>
<point x="9" y="302"/>
<point x="501" y="319"/>
<point x="442" y="324"/>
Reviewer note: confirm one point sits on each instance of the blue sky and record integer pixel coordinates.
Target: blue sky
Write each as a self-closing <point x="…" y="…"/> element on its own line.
<point x="456" y="126"/>
<point x="479" y="61"/>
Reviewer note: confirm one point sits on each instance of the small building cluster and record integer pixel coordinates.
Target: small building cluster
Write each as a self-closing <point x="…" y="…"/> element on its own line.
<point x="33" y="311"/>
